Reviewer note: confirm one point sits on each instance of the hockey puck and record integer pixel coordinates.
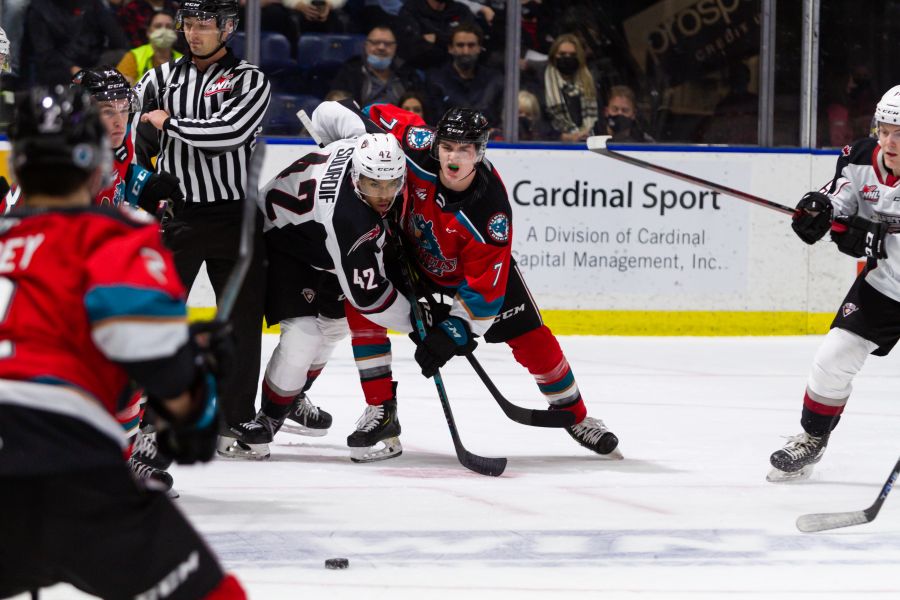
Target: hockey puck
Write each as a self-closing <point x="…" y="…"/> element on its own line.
<point x="337" y="563"/>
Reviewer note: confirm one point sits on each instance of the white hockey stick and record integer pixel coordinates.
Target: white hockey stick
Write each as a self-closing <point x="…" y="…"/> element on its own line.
<point x="598" y="144"/>
<point x="307" y="124"/>
<point x="825" y="521"/>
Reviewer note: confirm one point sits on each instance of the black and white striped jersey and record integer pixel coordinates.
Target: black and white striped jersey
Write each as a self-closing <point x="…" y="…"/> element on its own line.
<point x="215" y="117"/>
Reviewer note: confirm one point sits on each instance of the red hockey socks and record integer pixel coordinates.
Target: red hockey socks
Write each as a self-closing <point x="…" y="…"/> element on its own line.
<point x="372" y="351"/>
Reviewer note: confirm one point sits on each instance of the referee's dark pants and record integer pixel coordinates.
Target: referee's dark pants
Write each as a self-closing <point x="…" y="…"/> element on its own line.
<point x="211" y="233"/>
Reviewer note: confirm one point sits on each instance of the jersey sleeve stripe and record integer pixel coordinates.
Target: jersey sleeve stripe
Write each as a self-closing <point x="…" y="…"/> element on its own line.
<point x="133" y="341"/>
<point x="117" y="301"/>
<point x="420" y="172"/>
<point x="464" y="220"/>
<point x="477" y="305"/>
<point x="364" y="352"/>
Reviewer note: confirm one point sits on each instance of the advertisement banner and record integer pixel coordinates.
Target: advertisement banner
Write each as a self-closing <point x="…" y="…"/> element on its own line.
<point x="585" y="225"/>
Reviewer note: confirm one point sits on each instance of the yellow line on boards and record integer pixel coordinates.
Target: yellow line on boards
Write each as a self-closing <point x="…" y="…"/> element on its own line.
<point x="662" y="323"/>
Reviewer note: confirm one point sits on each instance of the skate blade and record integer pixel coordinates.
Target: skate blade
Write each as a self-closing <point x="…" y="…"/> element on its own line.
<point x="173" y="493"/>
<point x="779" y="476"/>
<point x="614" y="455"/>
<point x="383" y="450"/>
<point x="233" y="449"/>
<point x="298" y="429"/>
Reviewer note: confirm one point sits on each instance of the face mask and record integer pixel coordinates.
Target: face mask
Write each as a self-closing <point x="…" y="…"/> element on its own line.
<point x="524" y="124"/>
<point x="567" y="65"/>
<point x="162" y="38"/>
<point x="379" y="63"/>
<point x="619" y="123"/>
<point x="465" y="62"/>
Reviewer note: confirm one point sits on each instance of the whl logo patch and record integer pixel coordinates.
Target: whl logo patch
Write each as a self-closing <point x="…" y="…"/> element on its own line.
<point x="220" y="86"/>
<point x="848" y="309"/>
<point x="308" y="295"/>
<point x="870" y="193"/>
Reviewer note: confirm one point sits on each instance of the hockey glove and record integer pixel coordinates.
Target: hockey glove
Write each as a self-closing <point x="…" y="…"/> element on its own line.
<point x="161" y="187"/>
<point x="812" y="218"/>
<point x="451" y="337"/>
<point x="859" y="237"/>
<point x="193" y="438"/>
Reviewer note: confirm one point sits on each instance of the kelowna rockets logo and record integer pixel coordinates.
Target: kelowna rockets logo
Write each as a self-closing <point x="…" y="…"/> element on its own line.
<point x="427" y="247"/>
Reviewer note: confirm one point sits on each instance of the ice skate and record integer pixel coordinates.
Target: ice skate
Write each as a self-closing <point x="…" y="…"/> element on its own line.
<point x="596" y="437"/>
<point x="151" y="478"/>
<point x="308" y="419"/>
<point x="796" y="460"/>
<point x="377" y="434"/>
<point x="249" y="440"/>
<point x="146" y="450"/>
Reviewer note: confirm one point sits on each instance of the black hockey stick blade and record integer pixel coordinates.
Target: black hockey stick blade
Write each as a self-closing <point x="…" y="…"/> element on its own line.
<point x="826" y="521"/>
<point x="599" y="144"/>
<point x="519" y="414"/>
<point x="248" y="224"/>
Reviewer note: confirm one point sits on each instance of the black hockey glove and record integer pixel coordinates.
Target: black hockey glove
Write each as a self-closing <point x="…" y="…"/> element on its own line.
<point x="161" y="187"/>
<point x="859" y="237"/>
<point x="193" y="439"/>
<point x="451" y="337"/>
<point x="812" y="218"/>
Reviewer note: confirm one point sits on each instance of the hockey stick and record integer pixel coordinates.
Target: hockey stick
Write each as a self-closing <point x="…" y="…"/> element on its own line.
<point x="307" y="124"/>
<point x="248" y="225"/>
<point x="825" y="521"/>
<point x="519" y="414"/>
<point x="480" y="464"/>
<point x="598" y="144"/>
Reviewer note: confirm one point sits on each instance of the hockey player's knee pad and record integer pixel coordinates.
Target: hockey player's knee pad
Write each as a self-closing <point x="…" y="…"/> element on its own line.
<point x="838" y="360"/>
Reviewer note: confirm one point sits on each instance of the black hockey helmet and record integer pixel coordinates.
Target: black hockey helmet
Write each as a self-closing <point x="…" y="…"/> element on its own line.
<point x="220" y="10"/>
<point x="105" y="83"/>
<point x="465" y="125"/>
<point x="58" y="127"/>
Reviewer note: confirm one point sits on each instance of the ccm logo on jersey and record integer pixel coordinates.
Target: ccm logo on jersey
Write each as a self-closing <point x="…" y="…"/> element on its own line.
<point x="870" y="193"/>
<point x="372" y="234"/>
<point x="510" y="312"/>
<point x="220" y="85"/>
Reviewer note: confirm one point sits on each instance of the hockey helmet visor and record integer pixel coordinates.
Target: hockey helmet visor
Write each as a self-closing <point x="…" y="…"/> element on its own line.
<point x="207" y="11"/>
<point x="107" y="85"/>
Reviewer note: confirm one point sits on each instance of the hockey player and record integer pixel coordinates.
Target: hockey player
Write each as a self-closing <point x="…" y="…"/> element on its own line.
<point x="324" y="239"/>
<point x="90" y="299"/>
<point x="861" y="211"/>
<point x="458" y="227"/>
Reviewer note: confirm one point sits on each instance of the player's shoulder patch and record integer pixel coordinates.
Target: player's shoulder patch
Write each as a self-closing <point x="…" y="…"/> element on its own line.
<point x="419" y="138"/>
<point x="845" y="151"/>
<point x="498" y="227"/>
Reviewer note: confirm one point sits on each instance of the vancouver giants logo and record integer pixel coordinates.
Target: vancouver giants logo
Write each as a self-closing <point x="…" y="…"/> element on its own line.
<point x="372" y="234"/>
<point x="221" y="85"/>
<point x="870" y="193"/>
<point x="427" y="247"/>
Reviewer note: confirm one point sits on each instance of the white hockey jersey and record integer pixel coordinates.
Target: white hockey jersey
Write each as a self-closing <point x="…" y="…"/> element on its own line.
<point x="864" y="187"/>
<point x="313" y="204"/>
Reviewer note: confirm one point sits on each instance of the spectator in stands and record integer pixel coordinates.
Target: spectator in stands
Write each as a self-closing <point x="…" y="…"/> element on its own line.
<point x="380" y="12"/>
<point x="379" y="76"/>
<point x="735" y="118"/>
<point x="60" y="41"/>
<point x="414" y="102"/>
<point x="320" y="16"/>
<point x="274" y="17"/>
<point x="162" y="36"/>
<point x="621" y="117"/>
<point x="12" y="20"/>
<point x="569" y="90"/>
<point x="134" y="17"/>
<point x="463" y="81"/>
<point x="531" y="123"/>
<point x="425" y="30"/>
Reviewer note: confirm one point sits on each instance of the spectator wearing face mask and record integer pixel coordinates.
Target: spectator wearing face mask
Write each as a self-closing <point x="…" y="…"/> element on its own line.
<point x="162" y="36"/>
<point x="621" y="120"/>
<point x="463" y="82"/>
<point x="425" y="28"/>
<point x="379" y="76"/>
<point x="135" y="17"/>
<point x="531" y="125"/>
<point x="569" y="90"/>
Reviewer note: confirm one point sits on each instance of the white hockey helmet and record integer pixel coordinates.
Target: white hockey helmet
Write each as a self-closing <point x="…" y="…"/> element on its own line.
<point x="888" y="108"/>
<point x="378" y="156"/>
<point x="4" y="51"/>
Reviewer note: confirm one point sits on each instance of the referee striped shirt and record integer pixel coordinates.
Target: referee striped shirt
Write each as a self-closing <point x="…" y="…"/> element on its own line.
<point x="215" y="117"/>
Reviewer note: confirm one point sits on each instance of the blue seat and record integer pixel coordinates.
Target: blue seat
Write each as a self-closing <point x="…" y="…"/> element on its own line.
<point x="281" y="118"/>
<point x="328" y="51"/>
<point x="238" y="44"/>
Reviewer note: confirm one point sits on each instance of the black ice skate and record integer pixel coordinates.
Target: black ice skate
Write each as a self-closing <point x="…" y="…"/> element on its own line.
<point x="376" y="435"/>
<point x="146" y="451"/>
<point x="152" y="479"/>
<point x="308" y="418"/>
<point x="249" y="440"/>
<point x="596" y="437"/>
<point x="796" y="460"/>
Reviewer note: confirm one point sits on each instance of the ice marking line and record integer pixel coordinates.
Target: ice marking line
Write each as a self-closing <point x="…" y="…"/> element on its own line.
<point x="587" y="492"/>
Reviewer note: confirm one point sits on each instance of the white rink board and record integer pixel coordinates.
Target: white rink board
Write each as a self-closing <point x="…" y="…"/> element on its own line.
<point x="746" y="259"/>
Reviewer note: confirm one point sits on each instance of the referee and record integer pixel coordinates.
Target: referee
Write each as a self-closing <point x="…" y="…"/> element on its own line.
<point x="207" y="109"/>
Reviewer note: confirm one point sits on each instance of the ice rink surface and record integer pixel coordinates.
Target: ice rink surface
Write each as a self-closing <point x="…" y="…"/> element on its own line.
<point x="687" y="515"/>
